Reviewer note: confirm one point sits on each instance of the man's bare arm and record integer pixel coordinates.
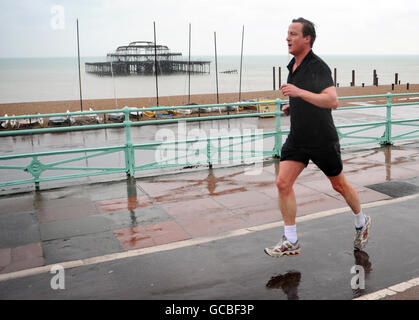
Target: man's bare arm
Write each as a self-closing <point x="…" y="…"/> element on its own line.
<point x="328" y="98"/>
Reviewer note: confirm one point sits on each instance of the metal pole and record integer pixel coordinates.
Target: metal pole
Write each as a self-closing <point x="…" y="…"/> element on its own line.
<point x="155" y="63"/>
<point x="129" y="149"/>
<point x="189" y="67"/>
<point x="241" y="64"/>
<point x="388" y="133"/>
<point x="78" y="55"/>
<point x="216" y="66"/>
<point x="114" y="89"/>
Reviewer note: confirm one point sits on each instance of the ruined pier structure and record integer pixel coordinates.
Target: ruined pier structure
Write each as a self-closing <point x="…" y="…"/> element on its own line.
<point x="139" y="58"/>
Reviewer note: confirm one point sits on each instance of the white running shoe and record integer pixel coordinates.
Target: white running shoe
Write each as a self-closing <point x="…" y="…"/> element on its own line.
<point x="284" y="247"/>
<point x="362" y="235"/>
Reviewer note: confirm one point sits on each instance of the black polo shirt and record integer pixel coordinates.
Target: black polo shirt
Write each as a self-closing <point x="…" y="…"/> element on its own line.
<point x="311" y="126"/>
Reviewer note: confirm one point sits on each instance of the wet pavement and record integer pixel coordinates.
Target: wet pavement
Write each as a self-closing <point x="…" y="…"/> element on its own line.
<point x="201" y="234"/>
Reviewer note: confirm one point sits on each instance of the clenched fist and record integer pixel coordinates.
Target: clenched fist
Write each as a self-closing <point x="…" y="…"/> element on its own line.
<point x="289" y="90"/>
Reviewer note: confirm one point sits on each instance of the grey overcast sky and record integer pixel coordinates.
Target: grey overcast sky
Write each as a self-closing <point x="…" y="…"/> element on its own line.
<point x="47" y="28"/>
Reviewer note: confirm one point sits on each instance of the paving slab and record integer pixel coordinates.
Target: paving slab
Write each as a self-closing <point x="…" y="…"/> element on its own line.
<point x="17" y="204"/>
<point x="101" y="223"/>
<point x="80" y="247"/>
<point x="18" y="228"/>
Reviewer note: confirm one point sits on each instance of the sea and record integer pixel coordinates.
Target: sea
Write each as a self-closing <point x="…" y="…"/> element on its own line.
<point x="57" y="78"/>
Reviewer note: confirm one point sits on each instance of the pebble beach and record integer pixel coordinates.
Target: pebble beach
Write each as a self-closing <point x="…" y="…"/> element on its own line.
<point x="45" y="107"/>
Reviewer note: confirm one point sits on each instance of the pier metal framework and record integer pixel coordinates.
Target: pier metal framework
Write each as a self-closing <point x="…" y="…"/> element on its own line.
<point x="139" y="58"/>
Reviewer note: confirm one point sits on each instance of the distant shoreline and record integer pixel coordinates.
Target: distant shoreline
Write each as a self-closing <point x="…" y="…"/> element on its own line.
<point x="44" y="107"/>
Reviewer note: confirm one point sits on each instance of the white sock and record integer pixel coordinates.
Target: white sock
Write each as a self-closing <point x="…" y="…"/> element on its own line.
<point x="291" y="233"/>
<point x="359" y="220"/>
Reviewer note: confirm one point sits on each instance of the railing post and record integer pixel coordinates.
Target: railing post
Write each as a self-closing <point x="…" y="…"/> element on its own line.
<point x="388" y="134"/>
<point x="209" y="153"/>
<point x="278" y="136"/>
<point x="35" y="168"/>
<point x="129" y="149"/>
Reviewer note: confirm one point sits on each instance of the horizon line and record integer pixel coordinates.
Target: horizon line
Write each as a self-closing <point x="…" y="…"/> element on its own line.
<point x="231" y="55"/>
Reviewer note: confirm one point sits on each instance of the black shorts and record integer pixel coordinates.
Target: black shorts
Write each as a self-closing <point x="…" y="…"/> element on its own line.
<point x="327" y="158"/>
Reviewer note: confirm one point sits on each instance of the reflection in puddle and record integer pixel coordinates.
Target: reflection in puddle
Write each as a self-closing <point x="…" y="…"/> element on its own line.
<point x="388" y="158"/>
<point x="361" y="259"/>
<point x="192" y="188"/>
<point x="132" y="200"/>
<point x="287" y="282"/>
<point x="224" y="183"/>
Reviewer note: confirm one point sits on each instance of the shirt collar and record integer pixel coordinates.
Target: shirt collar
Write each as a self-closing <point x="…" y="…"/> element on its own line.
<point x="308" y="57"/>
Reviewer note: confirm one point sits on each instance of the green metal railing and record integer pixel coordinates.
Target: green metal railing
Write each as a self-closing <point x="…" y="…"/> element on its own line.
<point x="387" y="137"/>
<point x="212" y="150"/>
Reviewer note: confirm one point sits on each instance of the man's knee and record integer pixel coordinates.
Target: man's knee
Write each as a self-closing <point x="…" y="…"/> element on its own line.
<point x="341" y="185"/>
<point x="338" y="186"/>
<point x="284" y="187"/>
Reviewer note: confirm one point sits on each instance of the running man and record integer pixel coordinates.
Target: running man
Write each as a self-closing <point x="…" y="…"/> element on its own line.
<point x="313" y="136"/>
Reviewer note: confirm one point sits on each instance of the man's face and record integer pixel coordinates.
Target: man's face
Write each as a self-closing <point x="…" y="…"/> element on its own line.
<point x="297" y="43"/>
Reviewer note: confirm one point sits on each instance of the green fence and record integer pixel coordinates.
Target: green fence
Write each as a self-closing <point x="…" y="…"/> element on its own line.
<point x="211" y="150"/>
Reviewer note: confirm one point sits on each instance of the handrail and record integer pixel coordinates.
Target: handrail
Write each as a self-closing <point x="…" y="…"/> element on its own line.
<point x="36" y="167"/>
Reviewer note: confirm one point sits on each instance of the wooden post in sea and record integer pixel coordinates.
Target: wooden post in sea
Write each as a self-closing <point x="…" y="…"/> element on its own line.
<point x="279" y="78"/>
<point x="335" y="77"/>
<point x="396" y="78"/>
<point x="273" y="76"/>
<point x="353" y="78"/>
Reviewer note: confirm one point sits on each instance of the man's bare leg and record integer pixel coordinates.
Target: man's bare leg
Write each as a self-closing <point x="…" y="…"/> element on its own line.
<point x="362" y="222"/>
<point x="288" y="173"/>
<point x="342" y="185"/>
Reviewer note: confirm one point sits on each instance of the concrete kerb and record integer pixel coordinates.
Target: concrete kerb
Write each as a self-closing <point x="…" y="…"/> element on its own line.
<point x="390" y="291"/>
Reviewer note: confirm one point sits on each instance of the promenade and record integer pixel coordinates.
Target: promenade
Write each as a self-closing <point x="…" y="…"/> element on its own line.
<point x="201" y="235"/>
